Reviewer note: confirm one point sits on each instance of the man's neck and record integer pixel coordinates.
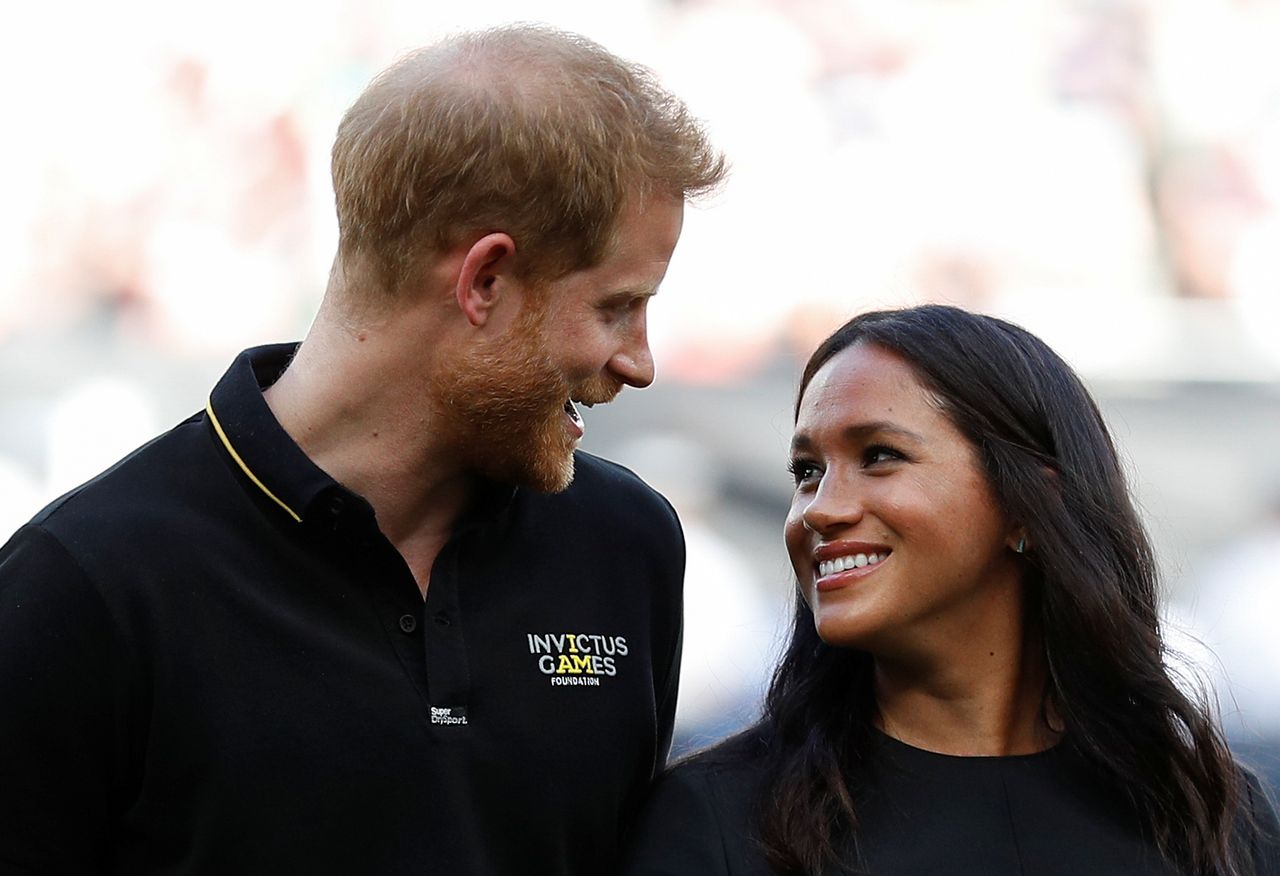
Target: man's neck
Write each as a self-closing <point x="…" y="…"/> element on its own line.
<point x="348" y="403"/>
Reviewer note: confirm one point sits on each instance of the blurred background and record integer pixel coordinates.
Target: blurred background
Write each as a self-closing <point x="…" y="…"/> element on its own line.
<point x="1104" y="172"/>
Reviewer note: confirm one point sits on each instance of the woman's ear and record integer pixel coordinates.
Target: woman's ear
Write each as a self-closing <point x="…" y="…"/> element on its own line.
<point x="1018" y="542"/>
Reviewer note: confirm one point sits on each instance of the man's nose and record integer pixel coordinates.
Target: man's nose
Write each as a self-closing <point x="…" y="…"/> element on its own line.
<point x="633" y="363"/>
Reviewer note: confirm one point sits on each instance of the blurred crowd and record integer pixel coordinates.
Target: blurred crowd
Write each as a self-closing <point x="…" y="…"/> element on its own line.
<point x="1031" y="157"/>
<point x="1106" y="172"/>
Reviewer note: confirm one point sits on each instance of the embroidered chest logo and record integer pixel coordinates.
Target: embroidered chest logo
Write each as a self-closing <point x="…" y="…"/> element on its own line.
<point x="577" y="659"/>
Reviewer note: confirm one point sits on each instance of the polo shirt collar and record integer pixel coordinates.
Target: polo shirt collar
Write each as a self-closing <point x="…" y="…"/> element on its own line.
<point x="254" y="439"/>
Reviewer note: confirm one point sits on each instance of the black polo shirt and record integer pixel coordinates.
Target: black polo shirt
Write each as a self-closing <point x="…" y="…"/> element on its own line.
<point x="212" y="661"/>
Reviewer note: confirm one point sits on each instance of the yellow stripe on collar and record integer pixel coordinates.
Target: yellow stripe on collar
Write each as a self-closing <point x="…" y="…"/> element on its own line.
<point x="217" y="427"/>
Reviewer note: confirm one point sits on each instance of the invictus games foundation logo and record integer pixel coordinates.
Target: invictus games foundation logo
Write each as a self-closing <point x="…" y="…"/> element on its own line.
<point x="577" y="659"/>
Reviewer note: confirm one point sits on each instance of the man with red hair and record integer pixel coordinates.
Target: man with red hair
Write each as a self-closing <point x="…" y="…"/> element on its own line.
<point x="371" y="611"/>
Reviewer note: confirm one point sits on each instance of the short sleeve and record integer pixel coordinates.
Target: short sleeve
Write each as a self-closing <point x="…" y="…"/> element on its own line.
<point x="678" y="832"/>
<point x="666" y="717"/>
<point x="57" y="711"/>
<point x="668" y="693"/>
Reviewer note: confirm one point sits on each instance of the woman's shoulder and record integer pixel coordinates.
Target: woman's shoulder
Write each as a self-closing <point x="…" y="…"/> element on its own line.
<point x="739" y="758"/>
<point x="1261" y="823"/>
<point x="698" y="819"/>
<point x="725" y="779"/>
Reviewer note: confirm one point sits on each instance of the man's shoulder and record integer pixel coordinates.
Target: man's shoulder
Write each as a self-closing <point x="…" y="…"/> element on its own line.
<point x="596" y="471"/>
<point x="605" y="487"/>
<point x="606" y="512"/>
<point x="150" y="483"/>
<point x="108" y="534"/>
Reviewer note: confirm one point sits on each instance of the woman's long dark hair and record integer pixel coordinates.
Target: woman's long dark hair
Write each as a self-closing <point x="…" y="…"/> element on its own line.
<point x="1054" y="469"/>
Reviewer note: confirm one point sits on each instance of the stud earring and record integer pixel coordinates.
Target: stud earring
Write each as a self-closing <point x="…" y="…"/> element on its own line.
<point x="1021" y="546"/>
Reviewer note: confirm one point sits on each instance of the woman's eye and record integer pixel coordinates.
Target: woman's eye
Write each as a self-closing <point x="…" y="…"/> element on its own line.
<point x="878" y="453"/>
<point x="802" y="470"/>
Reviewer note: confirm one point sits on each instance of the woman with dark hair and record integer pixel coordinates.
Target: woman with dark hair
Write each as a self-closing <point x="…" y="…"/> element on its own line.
<point x="975" y="681"/>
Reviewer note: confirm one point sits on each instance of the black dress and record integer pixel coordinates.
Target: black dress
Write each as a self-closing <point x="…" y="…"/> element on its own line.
<point x="923" y="813"/>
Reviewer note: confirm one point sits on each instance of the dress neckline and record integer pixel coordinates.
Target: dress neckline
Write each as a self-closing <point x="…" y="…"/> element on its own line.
<point x="893" y="744"/>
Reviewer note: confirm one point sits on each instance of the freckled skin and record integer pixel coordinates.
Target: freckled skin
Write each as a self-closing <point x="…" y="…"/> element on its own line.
<point x="584" y="336"/>
<point x="951" y="586"/>
<point x="597" y="327"/>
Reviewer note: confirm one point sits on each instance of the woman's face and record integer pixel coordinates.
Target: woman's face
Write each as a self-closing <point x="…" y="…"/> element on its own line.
<point x="897" y="542"/>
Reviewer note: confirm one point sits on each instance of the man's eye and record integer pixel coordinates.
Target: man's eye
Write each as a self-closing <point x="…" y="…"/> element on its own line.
<point x="614" y="311"/>
<point x="802" y="470"/>
<point x="624" y="306"/>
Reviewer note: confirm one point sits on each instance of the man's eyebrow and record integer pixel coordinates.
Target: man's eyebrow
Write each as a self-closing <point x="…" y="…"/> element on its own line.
<point x="859" y="432"/>
<point x="623" y="296"/>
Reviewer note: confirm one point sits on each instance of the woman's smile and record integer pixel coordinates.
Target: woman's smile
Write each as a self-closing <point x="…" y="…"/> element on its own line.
<point x="896" y="539"/>
<point x="840" y="564"/>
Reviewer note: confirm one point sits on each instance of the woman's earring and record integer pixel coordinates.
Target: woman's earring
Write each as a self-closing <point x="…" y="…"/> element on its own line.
<point x="1021" y="546"/>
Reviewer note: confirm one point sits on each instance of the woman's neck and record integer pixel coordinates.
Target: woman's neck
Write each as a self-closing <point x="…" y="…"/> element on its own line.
<point x="985" y="702"/>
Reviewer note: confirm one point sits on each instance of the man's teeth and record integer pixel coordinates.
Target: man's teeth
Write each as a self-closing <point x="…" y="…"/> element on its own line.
<point x="572" y="411"/>
<point x="853" y="561"/>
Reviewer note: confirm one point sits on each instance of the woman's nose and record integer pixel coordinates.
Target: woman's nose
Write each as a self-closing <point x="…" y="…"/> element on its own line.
<point x="835" y="505"/>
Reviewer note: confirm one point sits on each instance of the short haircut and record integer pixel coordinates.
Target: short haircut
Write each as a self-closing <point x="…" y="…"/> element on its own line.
<point x="523" y="129"/>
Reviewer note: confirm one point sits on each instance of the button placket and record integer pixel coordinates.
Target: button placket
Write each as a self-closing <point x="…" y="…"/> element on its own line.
<point x="444" y="645"/>
<point x="398" y="606"/>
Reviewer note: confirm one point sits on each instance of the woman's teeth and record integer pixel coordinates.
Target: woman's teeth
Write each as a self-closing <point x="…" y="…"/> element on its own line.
<point x="853" y="561"/>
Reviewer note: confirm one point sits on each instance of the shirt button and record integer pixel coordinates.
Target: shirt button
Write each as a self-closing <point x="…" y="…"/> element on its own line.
<point x="408" y="623"/>
<point x="443" y="619"/>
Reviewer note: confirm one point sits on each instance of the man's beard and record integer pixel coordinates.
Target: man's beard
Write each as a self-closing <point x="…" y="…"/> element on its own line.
<point x="502" y="408"/>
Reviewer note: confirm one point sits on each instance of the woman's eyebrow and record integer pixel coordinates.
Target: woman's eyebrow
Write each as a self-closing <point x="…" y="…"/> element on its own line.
<point x="859" y="432"/>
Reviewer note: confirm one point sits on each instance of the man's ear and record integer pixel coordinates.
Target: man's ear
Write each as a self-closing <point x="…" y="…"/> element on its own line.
<point x="484" y="267"/>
